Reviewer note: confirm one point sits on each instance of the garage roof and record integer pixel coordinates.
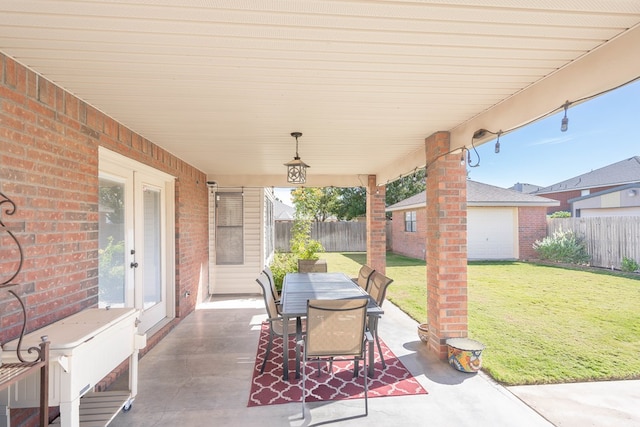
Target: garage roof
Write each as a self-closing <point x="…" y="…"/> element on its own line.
<point x="479" y="194"/>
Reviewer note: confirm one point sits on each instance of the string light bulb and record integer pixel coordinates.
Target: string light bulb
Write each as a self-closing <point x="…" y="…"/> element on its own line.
<point x="565" y="121"/>
<point x="497" y="149"/>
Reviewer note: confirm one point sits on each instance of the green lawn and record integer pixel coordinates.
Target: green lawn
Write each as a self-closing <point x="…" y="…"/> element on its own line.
<point x="541" y="324"/>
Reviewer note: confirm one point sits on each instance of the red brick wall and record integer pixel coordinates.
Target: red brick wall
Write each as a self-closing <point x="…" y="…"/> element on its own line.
<point x="409" y="243"/>
<point x="446" y="243"/>
<point x="532" y="226"/>
<point x="49" y="166"/>
<point x="376" y="226"/>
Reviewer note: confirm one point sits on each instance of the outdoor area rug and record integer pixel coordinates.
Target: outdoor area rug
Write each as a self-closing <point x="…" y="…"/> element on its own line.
<point x="269" y="388"/>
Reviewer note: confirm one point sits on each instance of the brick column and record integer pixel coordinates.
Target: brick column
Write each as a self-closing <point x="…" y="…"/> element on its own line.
<point x="446" y="243"/>
<point x="376" y="225"/>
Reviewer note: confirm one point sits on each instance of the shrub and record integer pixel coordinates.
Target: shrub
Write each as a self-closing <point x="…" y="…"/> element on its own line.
<point x="283" y="263"/>
<point x="562" y="246"/>
<point x="629" y="265"/>
<point x="302" y="245"/>
<point x="560" y="214"/>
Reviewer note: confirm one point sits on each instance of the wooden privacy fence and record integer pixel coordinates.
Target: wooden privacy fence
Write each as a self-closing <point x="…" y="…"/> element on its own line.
<point x="341" y="236"/>
<point x="608" y="239"/>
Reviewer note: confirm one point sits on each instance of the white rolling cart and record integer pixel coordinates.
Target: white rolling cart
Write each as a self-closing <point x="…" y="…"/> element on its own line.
<point x="84" y="348"/>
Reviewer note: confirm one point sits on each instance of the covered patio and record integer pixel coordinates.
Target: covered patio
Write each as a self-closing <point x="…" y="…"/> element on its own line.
<point x="200" y="374"/>
<point x="194" y="95"/>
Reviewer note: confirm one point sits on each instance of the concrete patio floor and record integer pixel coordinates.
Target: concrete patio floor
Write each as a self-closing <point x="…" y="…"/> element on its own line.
<point x="200" y="374"/>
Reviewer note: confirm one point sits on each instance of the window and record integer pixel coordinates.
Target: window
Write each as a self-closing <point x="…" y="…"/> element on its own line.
<point x="229" y="229"/>
<point x="269" y="226"/>
<point x="410" y="221"/>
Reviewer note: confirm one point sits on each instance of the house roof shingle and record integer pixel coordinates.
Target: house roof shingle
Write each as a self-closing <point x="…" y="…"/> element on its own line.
<point x="623" y="172"/>
<point x="479" y="194"/>
<point x="282" y="212"/>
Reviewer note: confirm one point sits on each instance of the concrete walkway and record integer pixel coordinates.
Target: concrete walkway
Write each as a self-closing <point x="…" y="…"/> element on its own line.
<point x="594" y="404"/>
<point x="200" y="374"/>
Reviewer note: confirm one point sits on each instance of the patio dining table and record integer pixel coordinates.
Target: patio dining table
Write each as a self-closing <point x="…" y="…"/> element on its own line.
<point x="298" y="288"/>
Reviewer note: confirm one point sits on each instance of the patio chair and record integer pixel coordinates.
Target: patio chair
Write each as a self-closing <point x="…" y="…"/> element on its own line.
<point x="274" y="290"/>
<point x="335" y="328"/>
<point x="364" y="275"/>
<point x="276" y="326"/>
<point x="312" y="266"/>
<point x="378" y="284"/>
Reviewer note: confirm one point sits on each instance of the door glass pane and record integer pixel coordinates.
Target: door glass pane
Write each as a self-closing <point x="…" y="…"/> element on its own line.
<point x="111" y="233"/>
<point x="152" y="243"/>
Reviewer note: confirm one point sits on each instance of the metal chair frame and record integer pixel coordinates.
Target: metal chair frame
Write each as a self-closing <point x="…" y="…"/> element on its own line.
<point x="351" y="339"/>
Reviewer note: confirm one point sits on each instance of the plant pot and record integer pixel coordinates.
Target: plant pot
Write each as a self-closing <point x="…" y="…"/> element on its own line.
<point x="423" y="332"/>
<point x="465" y="354"/>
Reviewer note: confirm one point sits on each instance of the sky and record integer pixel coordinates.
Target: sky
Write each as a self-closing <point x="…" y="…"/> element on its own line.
<point x="602" y="131"/>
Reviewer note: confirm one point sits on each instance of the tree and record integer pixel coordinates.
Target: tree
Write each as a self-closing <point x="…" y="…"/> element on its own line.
<point x="405" y="187"/>
<point x="351" y="203"/>
<point x="348" y="203"/>
<point x="317" y="204"/>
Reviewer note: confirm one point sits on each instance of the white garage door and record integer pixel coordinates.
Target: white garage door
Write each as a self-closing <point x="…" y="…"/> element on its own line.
<point x="492" y="233"/>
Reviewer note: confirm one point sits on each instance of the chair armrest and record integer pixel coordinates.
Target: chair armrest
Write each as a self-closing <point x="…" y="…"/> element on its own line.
<point x="368" y="336"/>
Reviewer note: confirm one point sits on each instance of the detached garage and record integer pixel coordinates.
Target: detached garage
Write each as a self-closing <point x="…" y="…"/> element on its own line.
<point x="501" y="224"/>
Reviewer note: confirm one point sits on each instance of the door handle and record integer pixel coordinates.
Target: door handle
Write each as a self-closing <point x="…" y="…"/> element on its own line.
<point x="134" y="265"/>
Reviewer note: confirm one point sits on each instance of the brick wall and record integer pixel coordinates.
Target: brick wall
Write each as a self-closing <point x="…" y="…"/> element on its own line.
<point x="532" y="226"/>
<point x="409" y="243"/>
<point x="49" y="167"/>
<point x="376" y="226"/>
<point x="446" y="243"/>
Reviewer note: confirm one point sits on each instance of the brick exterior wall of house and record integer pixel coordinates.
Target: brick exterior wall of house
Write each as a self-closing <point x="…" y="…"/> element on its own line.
<point x="49" y="143"/>
<point x="409" y="243"/>
<point x="532" y="226"/>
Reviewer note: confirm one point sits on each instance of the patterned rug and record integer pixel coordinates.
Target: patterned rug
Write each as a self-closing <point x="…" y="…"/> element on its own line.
<point x="269" y="388"/>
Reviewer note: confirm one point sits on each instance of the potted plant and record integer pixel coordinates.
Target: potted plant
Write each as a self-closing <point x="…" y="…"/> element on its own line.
<point x="305" y="249"/>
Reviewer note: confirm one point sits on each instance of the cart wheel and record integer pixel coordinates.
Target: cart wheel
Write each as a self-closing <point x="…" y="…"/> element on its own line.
<point x="127" y="406"/>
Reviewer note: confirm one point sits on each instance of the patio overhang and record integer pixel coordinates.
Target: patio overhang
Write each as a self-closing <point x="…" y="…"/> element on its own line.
<point x="223" y="86"/>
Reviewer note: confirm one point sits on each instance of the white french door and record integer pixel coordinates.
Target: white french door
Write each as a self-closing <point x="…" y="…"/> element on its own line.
<point x="135" y="234"/>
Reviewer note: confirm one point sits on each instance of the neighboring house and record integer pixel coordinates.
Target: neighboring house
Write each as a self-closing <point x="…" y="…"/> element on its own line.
<point x="608" y="177"/>
<point x="617" y="201"/>
<point x="283" y="212"/>
<point x="525" y="188"/>
<point x="501" y="223"/>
